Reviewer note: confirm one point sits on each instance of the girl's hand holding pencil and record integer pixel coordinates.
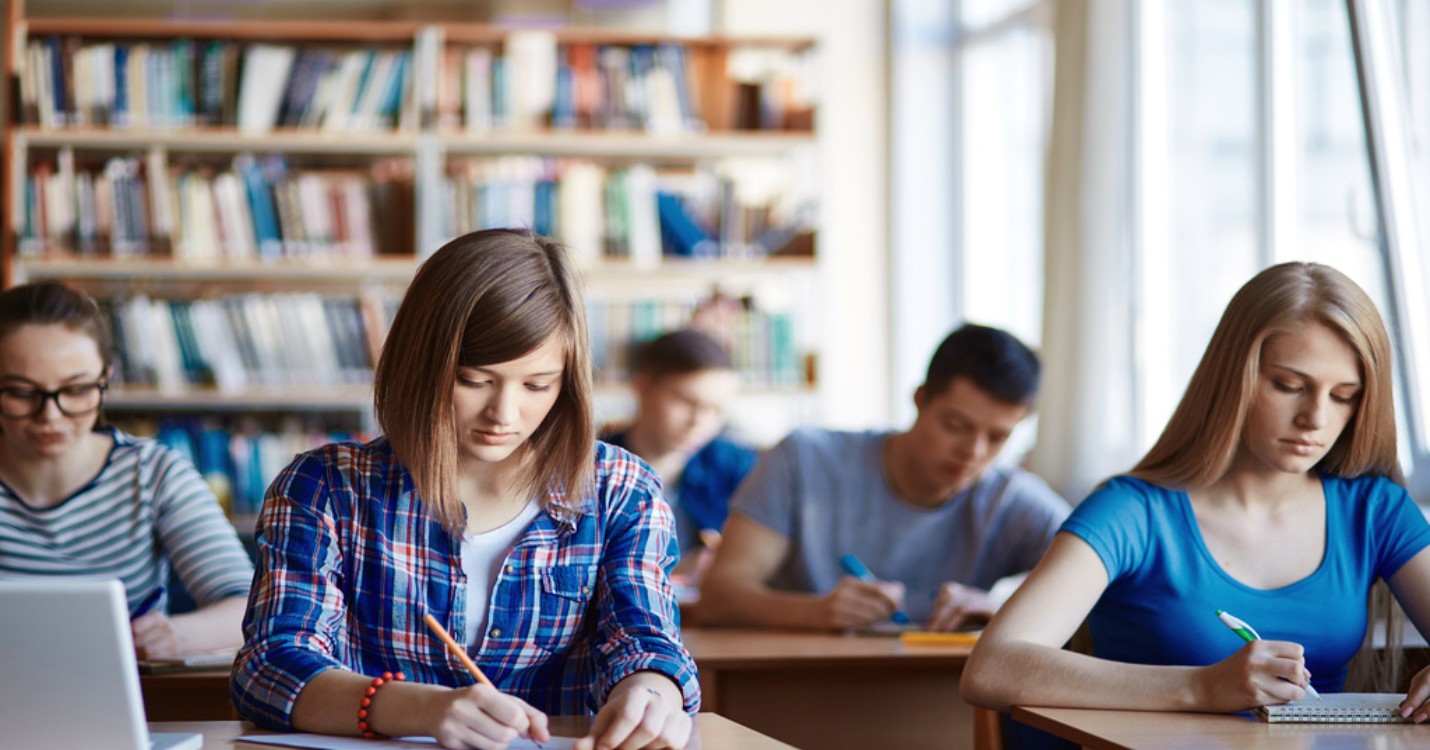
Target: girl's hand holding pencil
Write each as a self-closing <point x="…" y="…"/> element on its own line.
<point x="481" y="716"/>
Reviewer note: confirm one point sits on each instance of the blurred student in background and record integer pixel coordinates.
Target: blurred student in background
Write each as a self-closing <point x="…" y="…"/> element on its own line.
<point x="926" y="510"/>
<point x="682" y="382"/>
<point x="80" y="498"/>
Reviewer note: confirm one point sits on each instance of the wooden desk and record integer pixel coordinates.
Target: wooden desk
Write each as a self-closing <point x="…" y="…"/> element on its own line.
<point x="833" y="692"/>
<point x="711" y="733"/>
<point x="1135" y="730"/>
<point x="187" y="696"/>
<point x="808" y="689"/>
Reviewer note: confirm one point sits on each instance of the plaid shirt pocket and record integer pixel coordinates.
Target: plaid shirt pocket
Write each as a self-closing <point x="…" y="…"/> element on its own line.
<point x="565" y="598"/>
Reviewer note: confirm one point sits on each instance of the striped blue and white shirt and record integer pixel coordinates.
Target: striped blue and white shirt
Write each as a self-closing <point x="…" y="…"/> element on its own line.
<point x="350" y="559"/>
<point x="146" y="510"/>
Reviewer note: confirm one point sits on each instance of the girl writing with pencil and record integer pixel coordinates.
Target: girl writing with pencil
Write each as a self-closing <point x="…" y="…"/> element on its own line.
<point x="1272" y="494"/>
<point x="81" y="498"/>
<point x="487" y="505"/>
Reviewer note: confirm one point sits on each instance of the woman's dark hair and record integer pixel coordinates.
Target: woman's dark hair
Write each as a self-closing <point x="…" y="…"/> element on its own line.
<point x="679" y="352"/>
<point x="56" y="303"/>
<point x="993" y="359"/>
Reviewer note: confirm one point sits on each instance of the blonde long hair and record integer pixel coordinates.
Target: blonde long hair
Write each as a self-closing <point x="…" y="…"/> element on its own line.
<point x="1202" y="437"/>
<point x="485" y="298"/>
<point x="1200" y="440"/>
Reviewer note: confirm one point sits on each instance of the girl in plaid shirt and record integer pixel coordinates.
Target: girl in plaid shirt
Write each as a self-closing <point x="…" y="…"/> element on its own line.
<point x="488" y="504"/>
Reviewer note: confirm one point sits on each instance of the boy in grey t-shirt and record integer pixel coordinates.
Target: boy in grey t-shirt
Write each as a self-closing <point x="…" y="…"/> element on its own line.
<point x="924" y="509"/>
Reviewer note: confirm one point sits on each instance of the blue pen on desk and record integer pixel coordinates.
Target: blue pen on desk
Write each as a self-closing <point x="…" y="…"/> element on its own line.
<point x="1249" y="634"/>
<point x="150" y="602"/>
<point x="856" y="567"/>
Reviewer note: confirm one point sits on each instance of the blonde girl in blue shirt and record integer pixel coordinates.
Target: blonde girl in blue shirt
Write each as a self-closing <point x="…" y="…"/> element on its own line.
<point x="1273" y="493"/>
<point x="487" y="504"/>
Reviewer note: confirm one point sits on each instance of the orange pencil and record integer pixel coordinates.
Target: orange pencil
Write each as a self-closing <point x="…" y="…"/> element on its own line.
<point x="456" y="650"/>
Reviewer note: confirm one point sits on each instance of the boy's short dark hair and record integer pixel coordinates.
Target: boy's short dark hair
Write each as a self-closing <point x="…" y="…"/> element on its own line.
<point x="679" y="352"/>
<point x="993" y="359"/>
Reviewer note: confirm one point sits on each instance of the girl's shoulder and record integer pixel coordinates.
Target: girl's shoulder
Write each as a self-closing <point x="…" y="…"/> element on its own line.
<point x="617" y="467"/>
<point x="1369" y="491"/>
<point x="128" y="452"/>
<point x="1128" y="499"/>
<point x="1127" y="487"/>
<point x="620" y="477"/>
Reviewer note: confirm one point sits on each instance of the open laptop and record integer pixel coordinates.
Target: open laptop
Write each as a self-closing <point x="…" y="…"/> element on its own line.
<point x="70" y="678"/>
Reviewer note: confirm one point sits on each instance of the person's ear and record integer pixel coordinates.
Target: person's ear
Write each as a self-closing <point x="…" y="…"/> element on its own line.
<point x="640" y="383"/>
<point x="919" y="397"/>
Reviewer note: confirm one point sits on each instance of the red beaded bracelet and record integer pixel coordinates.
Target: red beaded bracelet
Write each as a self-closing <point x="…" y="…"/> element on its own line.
<point x="367" y="696"/>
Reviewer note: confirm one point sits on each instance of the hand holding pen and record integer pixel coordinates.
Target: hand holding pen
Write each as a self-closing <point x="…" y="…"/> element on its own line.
<point x="153" y="631"/>
<point x="1249" y="635"/>
<point x="862" y="599"/>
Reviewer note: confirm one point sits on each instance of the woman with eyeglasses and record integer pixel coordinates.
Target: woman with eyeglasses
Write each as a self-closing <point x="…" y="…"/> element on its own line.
<point x="81" y="498"/>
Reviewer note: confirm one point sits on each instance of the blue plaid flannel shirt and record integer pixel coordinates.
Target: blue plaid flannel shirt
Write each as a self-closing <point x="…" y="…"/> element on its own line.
<point x="349" y="560"/>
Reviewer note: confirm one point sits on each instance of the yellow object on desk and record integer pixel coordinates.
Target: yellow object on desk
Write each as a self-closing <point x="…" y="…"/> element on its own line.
<point x="934" y="638"/>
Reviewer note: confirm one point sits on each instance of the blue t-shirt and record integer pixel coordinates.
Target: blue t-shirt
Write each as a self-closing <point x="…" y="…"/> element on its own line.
<point x="701" y="497"/>
<point x="1165" y="587"/>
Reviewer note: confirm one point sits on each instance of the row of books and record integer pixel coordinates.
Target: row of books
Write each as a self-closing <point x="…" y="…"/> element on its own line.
<point x="530" y="81"/>
<point x="304" y="339"/>
<point x="256" y="208"/>
<point x="239" y="458"/>
<point x="184" y="83"/>
<point x="633" y="212"/>
<point x="535" y="82"/>
<point x="241" y="341"/>
<point x="762" y="343"/>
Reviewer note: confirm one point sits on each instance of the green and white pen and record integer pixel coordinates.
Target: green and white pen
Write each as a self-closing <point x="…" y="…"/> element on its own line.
<point x="1249" y="634"/>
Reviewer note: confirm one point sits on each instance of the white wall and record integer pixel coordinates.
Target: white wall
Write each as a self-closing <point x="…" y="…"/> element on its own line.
<point x="853" y="161"/>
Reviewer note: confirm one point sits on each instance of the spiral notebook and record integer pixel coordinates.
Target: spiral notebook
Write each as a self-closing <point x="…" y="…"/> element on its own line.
<point x="1338" y="708"/>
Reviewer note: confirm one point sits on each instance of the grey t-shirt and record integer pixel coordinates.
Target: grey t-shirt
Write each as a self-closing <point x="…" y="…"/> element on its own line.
<point x="827" y="493"/>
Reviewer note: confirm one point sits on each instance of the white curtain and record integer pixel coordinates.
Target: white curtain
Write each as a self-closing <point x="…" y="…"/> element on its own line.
<point x="1087" y="427"/>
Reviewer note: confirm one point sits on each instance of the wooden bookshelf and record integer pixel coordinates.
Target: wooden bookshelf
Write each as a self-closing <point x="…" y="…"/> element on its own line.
<point x="410" y="152"/>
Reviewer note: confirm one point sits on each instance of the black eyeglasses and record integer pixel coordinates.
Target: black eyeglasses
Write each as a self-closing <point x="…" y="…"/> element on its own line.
<point x="72" y="400"/>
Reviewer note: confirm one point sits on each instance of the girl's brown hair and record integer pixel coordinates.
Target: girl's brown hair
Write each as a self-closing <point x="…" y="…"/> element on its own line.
<point x="485" y="298"/>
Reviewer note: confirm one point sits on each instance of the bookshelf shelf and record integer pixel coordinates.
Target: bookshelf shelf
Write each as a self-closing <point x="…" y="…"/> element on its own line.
<point x="636" y="146"/>
<point x="469" y="33"/>
<point x="333" y="30"/>
<point x="325" y="398"/>
<point x="681" y="148"/>
<point x="332" y="271"/>
<point x="218" y="140"/>
<point x="344" y="271"/>
<point x="337" y="30"/>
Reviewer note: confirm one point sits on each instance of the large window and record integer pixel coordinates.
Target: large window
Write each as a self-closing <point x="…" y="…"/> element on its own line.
<point x="971" y="94"/>
<point x="1004" y="123"/>
<point x="1246" y="136"/>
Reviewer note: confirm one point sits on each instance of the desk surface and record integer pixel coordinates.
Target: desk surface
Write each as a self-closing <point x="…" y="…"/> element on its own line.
<point x="832" y="691"/>
<point x="711" y="732"/>
<point x="1136" y="730"/>
<point x="727" y="649"/>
